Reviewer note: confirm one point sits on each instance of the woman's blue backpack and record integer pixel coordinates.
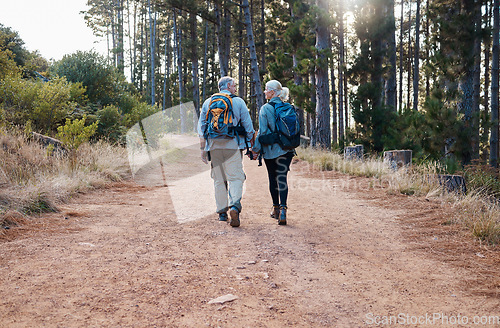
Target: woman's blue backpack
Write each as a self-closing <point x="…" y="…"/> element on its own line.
<point x="287" y="126"/>
<point x="287" y="131"/>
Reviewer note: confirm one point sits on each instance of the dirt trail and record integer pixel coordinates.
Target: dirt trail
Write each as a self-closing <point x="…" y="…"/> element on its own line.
<point x="351" y="256"/>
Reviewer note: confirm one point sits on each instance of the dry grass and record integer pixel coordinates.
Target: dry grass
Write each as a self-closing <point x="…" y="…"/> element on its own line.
<point x="330" y="161"/>
<point x="33" y="179"/>
<point x="476" y="210"/>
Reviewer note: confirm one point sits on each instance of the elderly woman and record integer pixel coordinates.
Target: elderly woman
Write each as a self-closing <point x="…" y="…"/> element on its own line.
<point x="276" y="159"/>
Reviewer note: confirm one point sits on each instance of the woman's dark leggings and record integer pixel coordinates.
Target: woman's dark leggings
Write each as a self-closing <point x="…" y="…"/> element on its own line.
<point x="277" y="170"/>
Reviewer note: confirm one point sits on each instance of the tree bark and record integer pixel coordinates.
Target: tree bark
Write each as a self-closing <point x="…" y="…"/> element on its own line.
<point x="178" y="45"/>
<point x="416" y="65"/>
<point x="410" y="54"/>
<point x="227" y="37"/>
<point x="194" y="64"/>
<point x="476" y="79"/>
<point x="401" y="53"/>
<point x="322" y="138"/>
<point x="486" y="100"/>
<point x="152" y="36"/>
<point x="164" y="101"/>
<point x="427" y="38"/>
<point x="390" y="97"/>
<point x="241" y="54"/>
<point x="334" y="125"/>
<point x="259" y="98"/>
<point x="131" y="45"/>
<point x="340" y="18"/>
<point x="119" y="46"/>
<point x="263" y="35"/>
<point x="494" y="87"/>
<point x="223" y="58"/>
<point x="205" y="63"/>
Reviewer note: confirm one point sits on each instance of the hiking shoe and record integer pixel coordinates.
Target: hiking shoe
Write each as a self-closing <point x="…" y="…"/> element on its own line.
<point x="223" y="216"/>
<point x="275" y="213"/>
<point x="235" y="217"/>
<point x="282" y="217"/>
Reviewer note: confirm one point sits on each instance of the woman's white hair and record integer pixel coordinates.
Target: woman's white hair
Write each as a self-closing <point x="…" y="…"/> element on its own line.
<point x="275" y="86"/>
<point x="285" y="93"/>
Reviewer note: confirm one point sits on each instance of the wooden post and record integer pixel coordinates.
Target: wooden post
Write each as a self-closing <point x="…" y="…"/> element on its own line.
<point x="305" y="141"/>
<point x="397" y="159"/>
<point x="353" y="153"/>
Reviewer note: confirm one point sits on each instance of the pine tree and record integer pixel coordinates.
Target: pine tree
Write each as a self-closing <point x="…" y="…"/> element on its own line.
<point x="494" y="86"/>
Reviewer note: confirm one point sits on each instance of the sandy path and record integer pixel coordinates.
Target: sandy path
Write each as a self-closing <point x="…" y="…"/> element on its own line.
<point x="125" y="258"/>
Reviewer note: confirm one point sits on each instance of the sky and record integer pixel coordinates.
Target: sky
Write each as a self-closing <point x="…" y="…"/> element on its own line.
<point x="53" y="27"/>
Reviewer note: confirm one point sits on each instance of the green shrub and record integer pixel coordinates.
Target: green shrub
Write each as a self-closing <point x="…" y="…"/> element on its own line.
<point x="109" y="126"/>
<point x="74" y="133"/>
<point x="102" y="80"/>
<point x="44" y="104"/>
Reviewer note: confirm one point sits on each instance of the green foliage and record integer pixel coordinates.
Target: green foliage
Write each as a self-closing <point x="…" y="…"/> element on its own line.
<point x="11" y="41"/>
<point x="103" y="82"/>
<point x="74" y="133"/>
<point x="109" y="125"/>
<point x="446" y="130"/>
<point x="139" y="111"/>
<point x="44" y="104"/>
<point x="375" y="125"/>
<point x="8" y="66"/>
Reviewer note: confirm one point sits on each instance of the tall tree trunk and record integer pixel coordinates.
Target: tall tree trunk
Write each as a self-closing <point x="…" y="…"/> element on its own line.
<point x="486" y="100"/>
<point x="494" y="86"/>
<point x="223" y="57"/>
<point x="120" y="47"/>
<point x="322" y="137"/>
<point x="401" y="55"/>
<point x="416" y="61"/>
<point x="427" y="53"/>
<point x="263" y="35"/>
<point x="259" y="97"/>
<point x="477" y="78"/>
<point x="346" y="103"/>
<point x="131" y="45"/>
<point x="205" y="63"/>
<point x="311" y="117"/>
<point x="152" y="36"/>
<point x="334" y="127"/>
<point x="390" y="96"/>
<point x="340" y="18"/>
<point x="178" y="45"/>
<point x="241" y="55"/>
<point x="469" y="104"/>
<point x="227" y="37"/>
<point x="194" y="64"/>
<point x="410" y="54"/>
<point x="167" y="103"/>
<point x="113" y="31"/>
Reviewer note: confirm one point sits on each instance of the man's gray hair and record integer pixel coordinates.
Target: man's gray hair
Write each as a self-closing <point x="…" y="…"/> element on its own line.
<point x="225" y="81"/>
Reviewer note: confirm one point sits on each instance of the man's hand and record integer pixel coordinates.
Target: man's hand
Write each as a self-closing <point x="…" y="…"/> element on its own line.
<point x="252" y="141"/>
<point x="204" y="156"/>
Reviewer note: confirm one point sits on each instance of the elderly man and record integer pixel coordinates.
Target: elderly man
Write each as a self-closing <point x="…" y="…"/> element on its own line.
<point x="225" y="129"/>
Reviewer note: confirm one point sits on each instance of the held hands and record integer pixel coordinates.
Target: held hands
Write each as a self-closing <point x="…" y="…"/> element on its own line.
<point x="253" y="155"/>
